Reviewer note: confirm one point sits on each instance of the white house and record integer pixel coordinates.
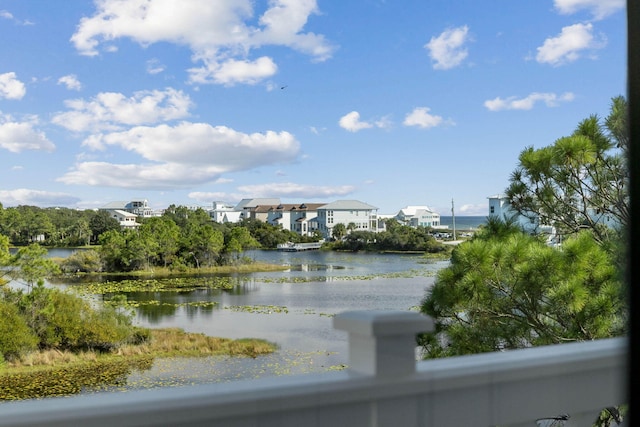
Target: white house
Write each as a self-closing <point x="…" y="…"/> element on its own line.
<point x="299" y="218"/>
<point x="362" y="215"/>
<point x="499" y="206"/>
<point x="418" y="216"/>
<point x="223" y="212"/>
<point x="126" y="219"/>
<point x="139" y="208"/>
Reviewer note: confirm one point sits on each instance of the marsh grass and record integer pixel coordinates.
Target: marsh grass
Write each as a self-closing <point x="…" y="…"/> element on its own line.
<point x="61" y="373"/>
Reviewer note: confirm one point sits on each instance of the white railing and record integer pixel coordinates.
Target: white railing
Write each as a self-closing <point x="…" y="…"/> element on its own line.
<point x="384" y="386"/>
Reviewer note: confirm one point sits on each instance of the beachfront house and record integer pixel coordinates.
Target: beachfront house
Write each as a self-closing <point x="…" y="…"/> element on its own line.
<point x="362" y="215"/>
<point x="500" y="207"/>
<point x="418" y="216"/>
<point x="298" y="217"/>
<point x="139" y="208"/>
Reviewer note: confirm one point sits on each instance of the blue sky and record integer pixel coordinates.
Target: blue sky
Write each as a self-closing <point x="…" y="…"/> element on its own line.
<point x="390" y="103"/>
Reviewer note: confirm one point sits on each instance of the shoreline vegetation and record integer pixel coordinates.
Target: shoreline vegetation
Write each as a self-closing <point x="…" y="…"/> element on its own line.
<point x="155" y="271"/>
<point x="49" y="373"/>
<point x="51" y="370"/>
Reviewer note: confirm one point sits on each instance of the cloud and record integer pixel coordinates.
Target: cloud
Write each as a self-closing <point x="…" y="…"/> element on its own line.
<point x="289" y="189"/>
<point x="219" y="33"/>
<point x="351" y="122"/>
<point x="528" y="102"/>
<point x="70" y="81"/>
<point x="139" y="176"/>
<point x="286" y="189"/>
<point x="20" y="136"/>
<point x="569" y="44"/>
<point x="25" y="196"/>
<point x="233" y="71"/>
<point x="11" y="87"/>
<point x="112" y="111"/>
<point x="154" y="66"/>
<point x="599" y="8"/>
<point x="420" y="117"/>
<point x="182" y="155"/>
<point x="448" y="49"/>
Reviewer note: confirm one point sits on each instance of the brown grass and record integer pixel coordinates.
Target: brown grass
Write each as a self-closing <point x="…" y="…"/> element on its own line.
<point x="171" y="342"/>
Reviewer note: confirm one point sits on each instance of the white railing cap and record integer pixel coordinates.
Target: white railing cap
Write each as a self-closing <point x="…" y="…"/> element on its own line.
<point x="382" y="323"/>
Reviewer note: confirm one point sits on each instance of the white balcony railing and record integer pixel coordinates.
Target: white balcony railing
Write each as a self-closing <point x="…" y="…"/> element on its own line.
<point x="384" y="386"/>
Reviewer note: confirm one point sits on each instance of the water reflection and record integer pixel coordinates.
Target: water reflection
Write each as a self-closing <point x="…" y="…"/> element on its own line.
<point x="292" y="308"/>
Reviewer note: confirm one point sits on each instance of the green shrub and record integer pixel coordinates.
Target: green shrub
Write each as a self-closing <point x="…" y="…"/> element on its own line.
<point x="85" y="261"/>
<point x="62" y="320"/>
<point x="16" y="338"/>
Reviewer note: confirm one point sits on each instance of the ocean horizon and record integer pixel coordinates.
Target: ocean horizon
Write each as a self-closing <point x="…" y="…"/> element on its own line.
<point x="464" y="222"/>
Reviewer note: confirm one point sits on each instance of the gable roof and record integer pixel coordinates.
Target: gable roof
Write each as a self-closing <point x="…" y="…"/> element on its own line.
<point x="345" y="205"/>
<point x="413" y="210"/>
<point x="252" y="203"/>
<point x="115" y="205"/>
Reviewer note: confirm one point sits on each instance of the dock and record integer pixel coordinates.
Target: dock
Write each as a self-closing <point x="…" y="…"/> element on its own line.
<point x="296" y="247"/>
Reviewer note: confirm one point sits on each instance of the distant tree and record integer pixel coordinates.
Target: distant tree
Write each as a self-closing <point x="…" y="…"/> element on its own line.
<point x="203" y="244"/>
<point x="165" y="237"/>
<point x="30" y="264"/>
<point x="101" y="222"/>
<point x="339" y="231"/>
<point x="237" y="240"/>
<point x="120" y="251"/>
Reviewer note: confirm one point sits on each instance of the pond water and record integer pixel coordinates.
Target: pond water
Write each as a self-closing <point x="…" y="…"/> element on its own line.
<point x="292" y="308"/>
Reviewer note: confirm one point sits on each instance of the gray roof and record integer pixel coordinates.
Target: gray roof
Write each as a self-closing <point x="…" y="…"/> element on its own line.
<point x="345" y="205"/>
<point x="252" y="203"/>
<point x="115" y="205"/>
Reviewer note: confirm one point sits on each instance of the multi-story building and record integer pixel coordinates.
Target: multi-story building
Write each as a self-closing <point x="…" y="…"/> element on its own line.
<point x="500" y="207"/>
<point x="139" y="208"/>
<point x="223" y="212"/>
<point x="299" y="218"/>
<point x="248" y="208"/>
<point x="418" y="216"/>
<point x="362" y="215"/>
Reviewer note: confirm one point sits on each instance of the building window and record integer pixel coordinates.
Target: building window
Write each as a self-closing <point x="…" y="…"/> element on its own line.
<point x="492" y="209"/>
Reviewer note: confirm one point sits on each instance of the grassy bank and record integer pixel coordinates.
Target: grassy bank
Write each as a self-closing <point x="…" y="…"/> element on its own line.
<point x="59" y="373"/>
<point x="253" y="267"/>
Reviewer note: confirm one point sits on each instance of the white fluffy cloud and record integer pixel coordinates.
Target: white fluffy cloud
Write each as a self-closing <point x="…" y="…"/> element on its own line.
<point x="180" y="156"/>
<point x="112" y="111"/>
<point x="528" y="102"/>
<point x="17" y="136"/>
<point x="25" y="196"/>
<point x="70" y="81"/>
<point x="11" y="87"/>
<point x="234" y="71"/>
<point x="569" y="45"/>
<point x="448" y="50"/>
<point x="351" y="122"/>
<point x="218" y="33"/>
<point x="598" y="8"/>
<point x="420" y="117"/>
